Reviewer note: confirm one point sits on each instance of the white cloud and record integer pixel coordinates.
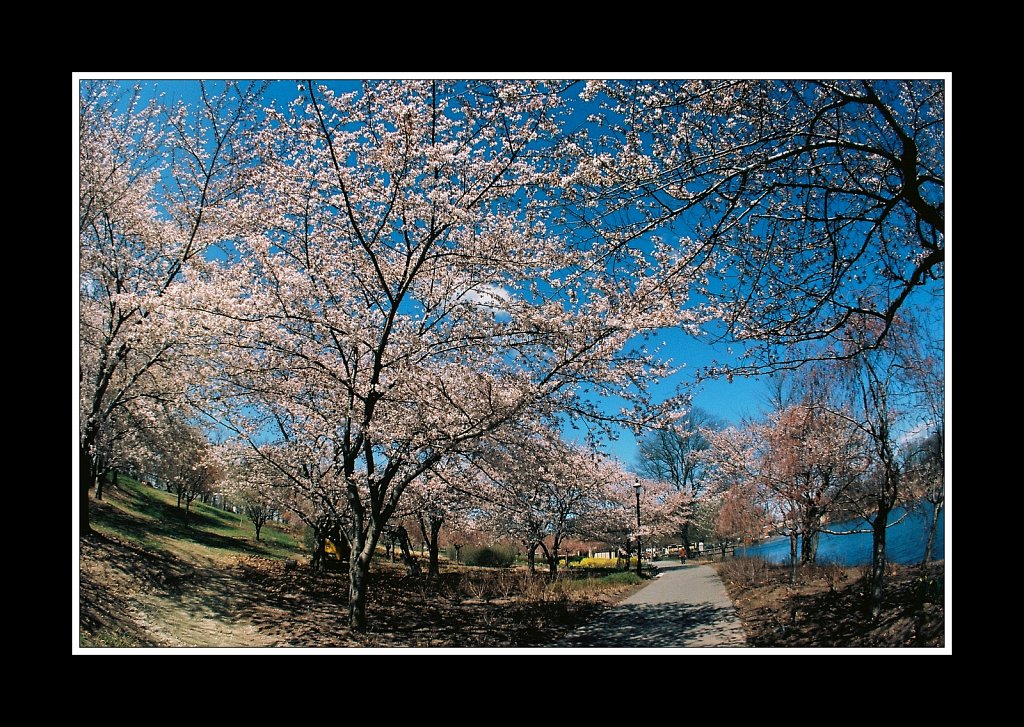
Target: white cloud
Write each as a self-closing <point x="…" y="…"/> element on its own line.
<point x="491" y="297"/>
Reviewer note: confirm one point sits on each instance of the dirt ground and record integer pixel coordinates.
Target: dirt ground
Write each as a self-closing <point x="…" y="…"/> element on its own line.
<point x="131" y="597"/>
<point x="826" y="608"/>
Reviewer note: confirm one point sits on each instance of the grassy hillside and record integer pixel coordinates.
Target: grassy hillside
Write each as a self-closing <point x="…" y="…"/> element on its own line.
<point x="148" y="581"/>
<point x="149" y="518"/>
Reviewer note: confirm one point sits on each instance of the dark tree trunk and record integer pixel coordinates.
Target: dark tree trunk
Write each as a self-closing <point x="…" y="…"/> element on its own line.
<point x="432" y="536"/>
<point x="809" y="547"/>
<point x="876" y="583"/>
<point x="85" y="479"/>
<point x="402" y="536"/>
<point x="258" y="526"/>
<point x="686" y="539"/>
<point x="551" y="556"/>
<point x="433" y="548"/>
<point x="794" y="563"/>
<point x="179" y="499"/>
<point x="362" y="545"/>
<point x="358" y="573"/>
<point x="188" y="508"/>
<point x="531" y="558"/>
<point x="929" y="550"/>
<point x="317" y="561"/>
<point x="101" y="475"/>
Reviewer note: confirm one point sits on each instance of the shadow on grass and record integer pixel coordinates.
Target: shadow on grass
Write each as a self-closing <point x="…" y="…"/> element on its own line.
<point x="165" y="520"/>
<point x="261" y="603"/>
<point x="187" y="604"/>
<point x="659" y="625"/>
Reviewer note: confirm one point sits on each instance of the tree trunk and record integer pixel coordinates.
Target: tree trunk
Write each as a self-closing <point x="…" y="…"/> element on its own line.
<point x="363" y="545"/>
<point x="101" y="474"/>
<point x="531" y="558"/>
<point x="358" y="574"/>
<point x="878" y="561"/>
<point x="794" y="563"/>
<point x="188" y="508"/>
<point x="929" y="549"/>
<point x="85" y="478"/>
<point x="317" y="561"/>
<point x="258" y="526"/>
<point x="402" y="536"/>
<point x="686" y="539"/>
<point x="809" y="547"/>
<point x="431" y="536"/>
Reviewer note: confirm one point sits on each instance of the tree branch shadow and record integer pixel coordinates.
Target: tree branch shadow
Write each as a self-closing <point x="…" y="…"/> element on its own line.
<point x="659" y="625"/>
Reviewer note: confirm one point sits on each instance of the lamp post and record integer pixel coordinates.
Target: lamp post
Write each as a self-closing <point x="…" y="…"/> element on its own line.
<point x="639" y="545"/>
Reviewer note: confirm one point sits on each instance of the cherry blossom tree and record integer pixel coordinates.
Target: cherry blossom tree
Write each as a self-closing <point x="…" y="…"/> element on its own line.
<point x="156" y="185"/>
<point x="248" y="481"/>
<point x="663" y="510"/>
<point x="539" y="491"/>
<point x="182" y="457"/>
<point x="795" y="470"/>
<point x="443" y="496"/>
<point x="809" y="202"/>
<point x="405" y="288"/>
<point x="811" y="458"/>
<point x="740" y="516"/>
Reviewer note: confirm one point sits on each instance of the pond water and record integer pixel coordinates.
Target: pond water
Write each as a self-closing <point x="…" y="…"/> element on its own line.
<point x="905" y="542"/>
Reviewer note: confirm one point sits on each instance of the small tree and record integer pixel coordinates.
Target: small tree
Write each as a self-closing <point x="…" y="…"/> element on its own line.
<point x="258" y="509"/>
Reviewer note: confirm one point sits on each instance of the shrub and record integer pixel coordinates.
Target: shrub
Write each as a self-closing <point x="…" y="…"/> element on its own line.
<point x="489" y="556"/>
<point x="746" y="571"/>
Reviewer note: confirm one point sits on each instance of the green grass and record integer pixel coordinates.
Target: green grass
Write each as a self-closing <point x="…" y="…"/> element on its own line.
<point x="595" y="583"/>
<point x="622" y="578"/>
<point x="113" y="638"/>
<point x="149" y="518"/>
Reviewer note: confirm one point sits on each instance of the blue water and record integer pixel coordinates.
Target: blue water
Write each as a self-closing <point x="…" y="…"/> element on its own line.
<point x="904" y="543"/>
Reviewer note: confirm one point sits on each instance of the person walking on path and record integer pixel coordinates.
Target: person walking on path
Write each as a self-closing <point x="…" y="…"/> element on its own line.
<point x="683" y="606"/>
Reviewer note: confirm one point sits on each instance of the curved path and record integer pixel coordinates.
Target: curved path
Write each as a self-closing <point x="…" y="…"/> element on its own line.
<point x="686" y="605"/>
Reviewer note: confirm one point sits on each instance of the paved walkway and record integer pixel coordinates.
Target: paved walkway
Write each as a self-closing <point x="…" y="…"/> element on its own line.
<point x="686" y="605"/>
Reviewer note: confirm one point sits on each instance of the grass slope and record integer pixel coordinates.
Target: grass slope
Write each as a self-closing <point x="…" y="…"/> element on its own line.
<point x="149" y="518"/>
